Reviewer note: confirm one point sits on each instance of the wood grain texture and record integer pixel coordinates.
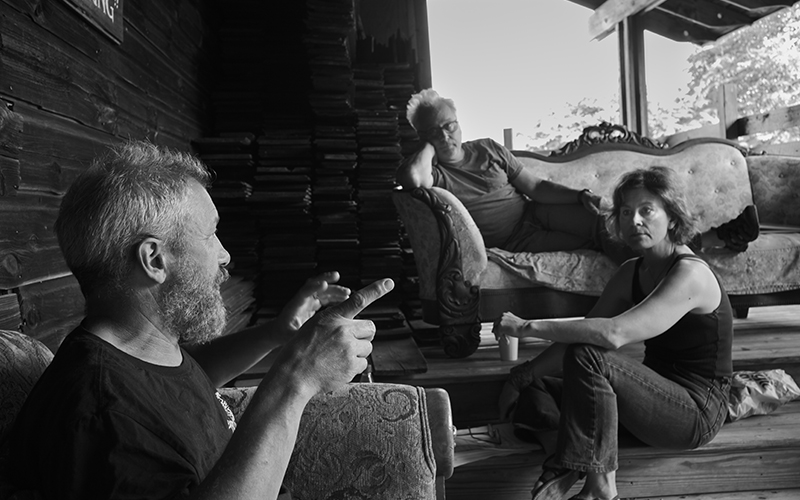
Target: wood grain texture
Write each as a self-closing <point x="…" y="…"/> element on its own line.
<point x="392" y="357"/>
<point x="10" y="318"/>
<point x="28" y="248"/>
<point x="67" y="93"/>
<point x="51" y="309"/>
<point x="749" y="454"/>
<point x="759" y="454"/>
<point x="10" y="129"/>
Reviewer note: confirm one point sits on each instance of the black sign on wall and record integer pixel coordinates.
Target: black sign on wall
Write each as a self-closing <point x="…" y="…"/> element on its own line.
<point x="106" y="15"/>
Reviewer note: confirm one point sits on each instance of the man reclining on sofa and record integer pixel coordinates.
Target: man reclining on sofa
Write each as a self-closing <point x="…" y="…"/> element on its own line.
<point x="513" y="208"/>
<point x="123" y="410"/>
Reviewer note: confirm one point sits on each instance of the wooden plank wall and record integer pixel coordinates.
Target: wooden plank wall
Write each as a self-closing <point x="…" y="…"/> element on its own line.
<point x="66" y="93"/>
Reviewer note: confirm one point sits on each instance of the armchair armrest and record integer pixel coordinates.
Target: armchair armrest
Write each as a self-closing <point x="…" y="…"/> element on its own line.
<point x="450" y="256"/>
<point x="368" y="440"/>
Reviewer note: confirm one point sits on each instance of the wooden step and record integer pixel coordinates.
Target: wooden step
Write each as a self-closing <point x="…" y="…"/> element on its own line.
<point x="792" y="494"/>
<point x="757" y="454"/>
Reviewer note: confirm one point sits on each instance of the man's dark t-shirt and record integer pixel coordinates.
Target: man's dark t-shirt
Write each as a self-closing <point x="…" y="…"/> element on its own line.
<point x="102" y="424"/>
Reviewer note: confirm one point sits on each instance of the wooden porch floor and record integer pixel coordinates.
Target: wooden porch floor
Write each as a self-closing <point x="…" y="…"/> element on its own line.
<point x="758" y="457"/>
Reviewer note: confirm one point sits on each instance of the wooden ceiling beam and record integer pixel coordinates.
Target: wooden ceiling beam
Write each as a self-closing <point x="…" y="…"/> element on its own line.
<point x="707" y="14"/>
<point x="695" y="21"/>
<point x="612" y="12"/>
<point x="678" y="29"/>
<point x="759" y="8"/>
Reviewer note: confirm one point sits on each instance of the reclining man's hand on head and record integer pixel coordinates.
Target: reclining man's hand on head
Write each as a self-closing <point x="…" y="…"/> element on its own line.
<point x="316" y="293"/>
<point x="331" y="348"/>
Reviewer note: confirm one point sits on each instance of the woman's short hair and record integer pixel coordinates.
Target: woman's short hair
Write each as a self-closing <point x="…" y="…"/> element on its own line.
<point x="428" y="98"/>
<point x="136" y="190"/>
<point x="664" y="183"/>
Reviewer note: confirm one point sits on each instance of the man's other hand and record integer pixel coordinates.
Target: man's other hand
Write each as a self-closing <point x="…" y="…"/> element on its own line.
<point x="316" y="293"/>
<point x="332" y="347"/>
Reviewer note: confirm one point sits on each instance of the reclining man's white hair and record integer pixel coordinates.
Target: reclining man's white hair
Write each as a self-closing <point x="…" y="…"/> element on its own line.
<point x="427" y="98"/>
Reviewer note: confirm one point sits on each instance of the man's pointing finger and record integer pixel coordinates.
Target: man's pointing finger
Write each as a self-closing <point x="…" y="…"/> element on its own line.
<point x="359" y="300"/>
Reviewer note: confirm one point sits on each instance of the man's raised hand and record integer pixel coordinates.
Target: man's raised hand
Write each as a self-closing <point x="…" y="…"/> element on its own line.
<point x="332" y="347"/>
<point x="316" y="293"/>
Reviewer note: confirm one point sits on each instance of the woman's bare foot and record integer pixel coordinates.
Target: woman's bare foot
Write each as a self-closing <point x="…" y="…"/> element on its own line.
<point x="598" y="487"/>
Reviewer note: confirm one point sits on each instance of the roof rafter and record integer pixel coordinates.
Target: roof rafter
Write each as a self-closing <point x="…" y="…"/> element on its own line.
<point x="612" y="12"/>
<point x="695" y="21"/>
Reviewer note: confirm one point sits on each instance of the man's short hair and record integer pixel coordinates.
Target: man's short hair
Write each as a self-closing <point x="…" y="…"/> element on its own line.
<point x="136" y="190"/>
<point x="428" y="98"/>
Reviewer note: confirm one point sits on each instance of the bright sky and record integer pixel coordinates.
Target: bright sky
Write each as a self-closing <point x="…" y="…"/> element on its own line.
<point x="509" y="63"/>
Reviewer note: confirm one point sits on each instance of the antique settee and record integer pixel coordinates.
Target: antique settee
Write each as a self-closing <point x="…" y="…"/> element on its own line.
<point x="462" y="283"/>
<point x="380" y="441"/>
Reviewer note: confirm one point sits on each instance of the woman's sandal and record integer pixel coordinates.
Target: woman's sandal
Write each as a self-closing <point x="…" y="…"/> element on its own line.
<point x="556" y="482"/>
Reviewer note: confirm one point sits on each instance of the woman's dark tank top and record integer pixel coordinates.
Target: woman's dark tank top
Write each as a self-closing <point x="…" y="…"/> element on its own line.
<point x="699" y="343"/>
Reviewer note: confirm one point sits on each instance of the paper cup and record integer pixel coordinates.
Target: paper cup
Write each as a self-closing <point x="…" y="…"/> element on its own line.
<point x="508" y="348"/>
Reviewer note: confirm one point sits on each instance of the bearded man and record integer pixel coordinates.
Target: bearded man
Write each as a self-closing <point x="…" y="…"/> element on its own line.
<point x="124" y="410"/>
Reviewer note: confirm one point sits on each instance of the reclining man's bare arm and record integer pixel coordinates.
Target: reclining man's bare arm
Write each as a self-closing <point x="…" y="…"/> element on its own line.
<point x="417" y="170"/>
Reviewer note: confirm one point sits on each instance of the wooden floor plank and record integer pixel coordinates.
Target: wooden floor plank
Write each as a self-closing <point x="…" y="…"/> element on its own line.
<point x="755" y="458"/>
<point x="770" y="494"/>
<point x="751" y="453"/>
<point x="397" y="357"/>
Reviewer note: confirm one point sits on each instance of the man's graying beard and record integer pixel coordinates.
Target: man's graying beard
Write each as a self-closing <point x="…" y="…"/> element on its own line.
<point x="191" y="305"/>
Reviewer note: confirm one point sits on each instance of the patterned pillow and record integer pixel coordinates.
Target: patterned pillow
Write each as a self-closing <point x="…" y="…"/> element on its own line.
<point x="22" y="361"/>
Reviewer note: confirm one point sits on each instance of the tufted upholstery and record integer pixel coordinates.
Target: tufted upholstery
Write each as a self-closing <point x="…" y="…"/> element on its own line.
<point x="363" y="441"/>
<point x="776" y="188"/>
<point x="720" y="182"/>
<point x="714" y="173"/>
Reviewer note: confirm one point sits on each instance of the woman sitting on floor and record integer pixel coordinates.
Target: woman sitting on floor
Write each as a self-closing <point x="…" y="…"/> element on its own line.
<point x="670" y="299"/>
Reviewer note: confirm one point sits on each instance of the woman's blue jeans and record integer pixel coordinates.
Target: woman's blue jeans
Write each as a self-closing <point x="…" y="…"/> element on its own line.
<point x="662" y="406"/>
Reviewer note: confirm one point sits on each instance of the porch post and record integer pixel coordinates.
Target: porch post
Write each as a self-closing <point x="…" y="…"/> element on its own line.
<point x="728" y="111"/>
<point x="633" y="90"/>
<point x="508" y="138"/>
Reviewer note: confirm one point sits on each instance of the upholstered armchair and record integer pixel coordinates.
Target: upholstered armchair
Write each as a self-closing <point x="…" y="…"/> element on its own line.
<point x="378" y="441"/>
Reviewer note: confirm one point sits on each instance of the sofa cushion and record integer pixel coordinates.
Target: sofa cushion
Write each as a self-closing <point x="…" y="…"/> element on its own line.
<point x="769" y="265"/>
<point x="579" y="271"/>
<point x="22" y="361"/>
